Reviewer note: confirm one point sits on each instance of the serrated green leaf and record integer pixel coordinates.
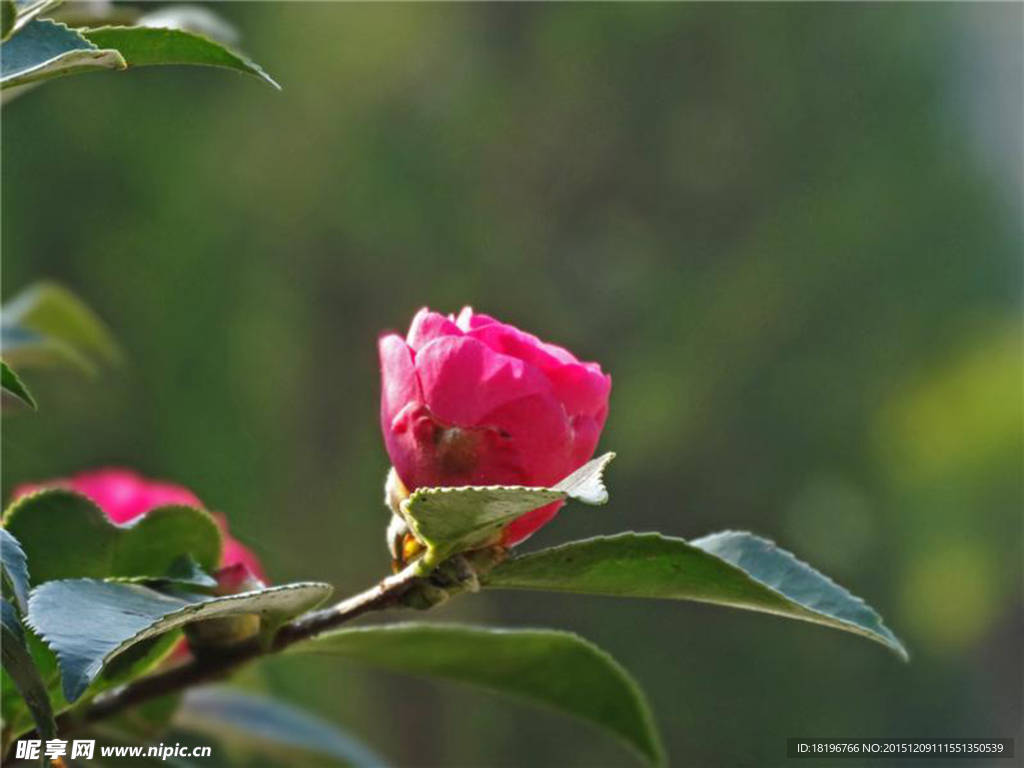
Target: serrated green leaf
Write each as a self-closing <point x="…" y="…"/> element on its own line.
<point x="137" y="661"/>
<point x="43" y="49"/>
<point x="11" y="383"/>
<point x="453" y="520"/>
<point x="14" y="568"/>
<point x="27" y="10"/>
<point x="184" y="571"/>
<point x="556" y="669"/>
<point x="18" y="663"/>
<point x="144" y="46"/>
<point x="87" y="622"/>
<point x="191" y="18"/>
<point x="90" y="546"/>
<point x="46" y="324"/>
<point x="17" y="718"/>
<point x="586" y="484"/>
<point x="150" y="550"/>
<point x="734" y="569"/>
<point x="261" y="722"/>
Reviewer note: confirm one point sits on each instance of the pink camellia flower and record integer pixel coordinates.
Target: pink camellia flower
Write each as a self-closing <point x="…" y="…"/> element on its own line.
<point x="123" y="495"/>
<point x="468" y="400"/>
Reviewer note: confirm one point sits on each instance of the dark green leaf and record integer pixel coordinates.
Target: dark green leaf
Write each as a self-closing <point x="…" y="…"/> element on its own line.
<point x="143" y="46"/>
<point x="65" y="535"/>
<point x="11" y="383"/>
<point x="185" y="570"/>
<point x="44" y="49"/>
<point x="88" y="622"/>
<point x="16" y="715"/>
<point x="556" y="669"/>
<point x="452" y="520"/>
<point x="225" y="712"/>
<point x="47" y="324"/>
<point x="735" y="569"/>
<point x="23" y="672"/>
<point x="145" y="722"/>
<point x="136" y="661"/>
<point x="8" y="14"/>
<point x="15" y="568"/>
<point x="156" y="549"/>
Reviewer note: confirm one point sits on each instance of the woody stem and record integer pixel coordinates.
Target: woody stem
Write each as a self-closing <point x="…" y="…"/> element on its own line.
<point x="387" y="594"/>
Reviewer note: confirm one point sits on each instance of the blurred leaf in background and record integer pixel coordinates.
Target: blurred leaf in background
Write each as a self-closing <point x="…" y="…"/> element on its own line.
<point x="790" y="232"/>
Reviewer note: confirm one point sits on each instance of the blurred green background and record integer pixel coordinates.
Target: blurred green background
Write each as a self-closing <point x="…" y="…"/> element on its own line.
<point x="790" y="232"/>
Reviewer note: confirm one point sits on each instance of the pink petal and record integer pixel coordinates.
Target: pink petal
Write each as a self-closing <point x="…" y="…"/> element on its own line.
<point x="463" y="380"/>
<point x="122" y="494"/>
<point x="581" y="387"/>
<point x="536" y="431"/>
<point x="468" y="319"/>
<point x="237" y="555"/>
<point x="427" y="326"/>
<point x="526" y="525"/>
<point x="399" y="382"/>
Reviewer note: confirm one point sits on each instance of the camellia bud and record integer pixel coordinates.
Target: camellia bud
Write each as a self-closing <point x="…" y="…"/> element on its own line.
<point x="124" y="495"/>
<point x="468" y="400"/>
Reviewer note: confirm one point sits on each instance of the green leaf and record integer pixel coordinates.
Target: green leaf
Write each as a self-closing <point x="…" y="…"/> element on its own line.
<point x="11" y="383"/>
<point x="735" y="569"/>
<point x="65" y="535"/>
<point x="145" y="722"/>
<point x="28" y="9"/>
<point x="143" y="46"/>
<point x="225" y="712"/>
<point x="47" y="324"/>
<point x="23" y="672"/>
<point x="190" y="18"/>
<point x="453" y="520"/>
<point x="14" y="568"/>
<point x="17" y="718"/>
<point x="137" y="661"/>
<point x="184" y="571"/>
<point x="8" y="15"/>
<point x="556" y="669"/>
<point x="88" y="622"/>
<point x="156" y="547"/>
<point x="44" y="49"/>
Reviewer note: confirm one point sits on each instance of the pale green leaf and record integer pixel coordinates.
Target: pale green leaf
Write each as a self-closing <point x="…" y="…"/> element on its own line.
<point x="452" y="520"/>
<point x="47" y="324"/>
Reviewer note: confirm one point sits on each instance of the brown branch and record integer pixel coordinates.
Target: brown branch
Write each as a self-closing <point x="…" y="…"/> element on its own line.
<point x="387" y="594"/>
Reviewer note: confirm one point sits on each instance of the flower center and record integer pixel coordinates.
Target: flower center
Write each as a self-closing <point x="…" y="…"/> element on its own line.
<point x="457" y="449"/>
